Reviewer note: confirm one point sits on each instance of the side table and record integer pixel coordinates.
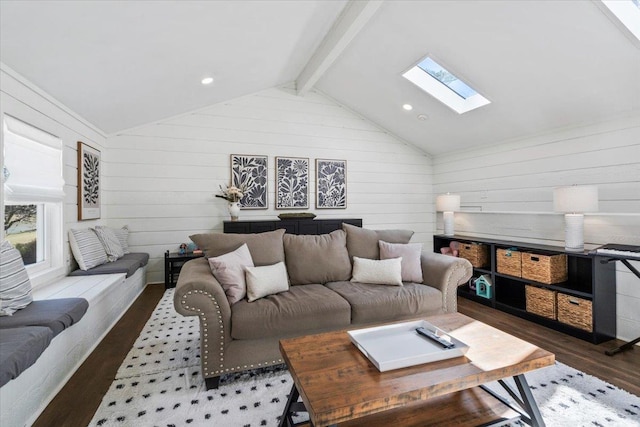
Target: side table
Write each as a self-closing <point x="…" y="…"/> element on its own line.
<point x="173" y="262"/>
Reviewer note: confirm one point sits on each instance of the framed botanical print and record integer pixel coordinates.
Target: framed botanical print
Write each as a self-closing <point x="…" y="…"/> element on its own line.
<point x="292" y="183"/>
<point x="88" y="182"/>
<point x="249" y="173"/>
<point x="331" y="184"/>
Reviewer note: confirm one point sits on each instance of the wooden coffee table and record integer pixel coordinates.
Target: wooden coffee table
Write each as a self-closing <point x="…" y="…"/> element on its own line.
<point x="339" y="385"/>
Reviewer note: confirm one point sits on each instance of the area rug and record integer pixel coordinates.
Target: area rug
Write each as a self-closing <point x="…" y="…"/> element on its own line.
<point x="159" y="384"/>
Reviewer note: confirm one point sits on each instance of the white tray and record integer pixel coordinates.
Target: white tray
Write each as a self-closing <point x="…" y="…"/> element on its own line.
<point x="398" y="346"/>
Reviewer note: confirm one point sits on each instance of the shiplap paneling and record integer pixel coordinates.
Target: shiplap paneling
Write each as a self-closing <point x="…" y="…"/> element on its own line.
<point x="160" y="179"/>
<point x="507" y="193"/>
<point x="28" y="103"/>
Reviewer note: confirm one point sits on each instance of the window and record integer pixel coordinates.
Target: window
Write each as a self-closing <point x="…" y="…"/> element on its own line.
<point x="627" y="12"/>
<point x="446" y="87"/>
<point x="33" y="197"/>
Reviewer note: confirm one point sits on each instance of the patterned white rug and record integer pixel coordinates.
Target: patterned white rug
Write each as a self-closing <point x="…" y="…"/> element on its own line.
<point x="159" y="384"/>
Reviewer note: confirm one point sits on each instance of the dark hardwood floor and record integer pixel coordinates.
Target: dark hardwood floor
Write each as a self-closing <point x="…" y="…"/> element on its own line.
<point x="76" y="403"/>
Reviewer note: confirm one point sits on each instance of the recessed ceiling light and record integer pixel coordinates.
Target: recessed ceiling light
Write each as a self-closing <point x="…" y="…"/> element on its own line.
<point x="423" y="117"/>
<point x="408" y="107"/>
<point x="207" y="80"/>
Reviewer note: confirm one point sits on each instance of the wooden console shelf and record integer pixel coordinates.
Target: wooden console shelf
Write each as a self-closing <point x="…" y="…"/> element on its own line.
<point x="590" y="284"/>
<point x="293" y="226"/>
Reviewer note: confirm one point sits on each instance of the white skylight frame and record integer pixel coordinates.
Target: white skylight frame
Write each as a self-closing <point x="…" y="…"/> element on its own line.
<point x="441" y="91"/>
<point x="627" y="13"/>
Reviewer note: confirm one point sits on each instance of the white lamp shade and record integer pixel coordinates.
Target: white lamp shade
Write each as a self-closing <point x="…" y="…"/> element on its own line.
<point x="448" y="203"/>
<point x="575" y="199"/>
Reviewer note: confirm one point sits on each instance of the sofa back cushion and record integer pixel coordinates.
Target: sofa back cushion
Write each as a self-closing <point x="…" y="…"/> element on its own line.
<point x="317" y="258"/>
<point x="265" y="248"/>
<point x="363" y="243"/>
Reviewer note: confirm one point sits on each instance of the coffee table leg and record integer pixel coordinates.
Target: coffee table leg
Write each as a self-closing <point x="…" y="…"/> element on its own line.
<point x="528" y="400"/>
<point x="285" y="420"/>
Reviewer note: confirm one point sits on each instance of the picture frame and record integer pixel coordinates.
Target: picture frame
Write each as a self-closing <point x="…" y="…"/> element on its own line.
<point x="331" y="184"/>
<point x="292" y="183"/>
<point x="249" y="172"/>
<point x="89" y="165"/>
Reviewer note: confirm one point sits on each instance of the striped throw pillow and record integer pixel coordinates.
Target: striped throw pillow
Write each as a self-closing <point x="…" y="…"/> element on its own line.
<point x="15" y="286"/>
<point x="86" y="248"/>
<point x="110" y="242"/>
<point x="123" y="236"/>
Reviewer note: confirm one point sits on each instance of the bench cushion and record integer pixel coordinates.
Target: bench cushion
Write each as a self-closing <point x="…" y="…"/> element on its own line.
<point x="55" y="314"/>
<point x="300" y="309"/>
<point x="20" y="349"/>
<point x="128" y="264"/>
<point x="379" y="303"/>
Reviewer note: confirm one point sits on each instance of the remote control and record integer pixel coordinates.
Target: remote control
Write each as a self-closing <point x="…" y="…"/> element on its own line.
<point x="430" y="335"/>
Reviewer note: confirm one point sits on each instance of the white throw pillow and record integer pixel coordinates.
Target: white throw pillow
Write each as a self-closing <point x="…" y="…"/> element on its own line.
<point x="122" y="234"/>
<point x="86" y="248"/>
<point x="410" y="254"/>
<point x="110" y="243"/>
<point x="266" y="280"/>
<point x="229" y="270"/>
<point x="377" y="272"/>
<point x="15" y="286"/>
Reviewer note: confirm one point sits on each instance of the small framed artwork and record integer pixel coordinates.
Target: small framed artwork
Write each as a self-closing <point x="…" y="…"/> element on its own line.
<point x="331" y="184"/>
<point x="292" y="183"/>
<point x="249" y="173"/>
<point x="88" y="182"/>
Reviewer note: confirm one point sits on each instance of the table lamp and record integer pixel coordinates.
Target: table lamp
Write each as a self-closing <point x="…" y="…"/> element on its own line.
<point x="448" y="204"/>
<point x="574" y="201"/>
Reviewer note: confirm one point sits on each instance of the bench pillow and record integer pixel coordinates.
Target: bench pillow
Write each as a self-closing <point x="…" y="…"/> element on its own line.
<point x="86" y="248"/>
<point x="15" y="286"/>
<point x="122" y="234"/>
<point x="110" y="242"/>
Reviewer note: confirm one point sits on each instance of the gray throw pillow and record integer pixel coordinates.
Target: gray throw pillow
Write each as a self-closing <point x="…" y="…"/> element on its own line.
<point x="317" y="259"/>
<point x="15" y="286"/>
<point x="363" y="243"/>
<point x="265" y="248"/>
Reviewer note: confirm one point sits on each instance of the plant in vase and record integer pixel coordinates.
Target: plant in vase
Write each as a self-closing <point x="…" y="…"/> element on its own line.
<point x="232" y="194"/>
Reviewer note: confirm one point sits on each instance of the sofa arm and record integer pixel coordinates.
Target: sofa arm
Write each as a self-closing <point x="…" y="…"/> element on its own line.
<point x="445" y="273"/>
<point x="198" y="293"/>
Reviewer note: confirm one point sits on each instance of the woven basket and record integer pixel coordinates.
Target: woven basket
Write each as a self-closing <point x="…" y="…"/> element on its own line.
<point x="541" y="301"/>
<point x="545" y="268"/>
<point x="509" y="262"/>
<point x="476" y="253"/>
<point x="575" y="311"/>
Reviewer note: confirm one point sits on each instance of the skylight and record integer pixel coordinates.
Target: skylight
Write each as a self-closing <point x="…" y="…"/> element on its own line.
<point x="443" y="85"/>
<point x="627" y="12"/>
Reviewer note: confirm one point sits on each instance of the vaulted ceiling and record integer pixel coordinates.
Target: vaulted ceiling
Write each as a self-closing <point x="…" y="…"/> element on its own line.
<point x="543" y="65"/>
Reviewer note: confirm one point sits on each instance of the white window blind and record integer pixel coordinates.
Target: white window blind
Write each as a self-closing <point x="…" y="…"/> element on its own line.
<point x="33" y="159"/>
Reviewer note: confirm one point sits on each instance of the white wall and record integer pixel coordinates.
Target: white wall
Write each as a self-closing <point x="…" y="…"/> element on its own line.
<point x="26" y="102"/>
<point x="161" y="178"/>
<point x="507" y="193"/>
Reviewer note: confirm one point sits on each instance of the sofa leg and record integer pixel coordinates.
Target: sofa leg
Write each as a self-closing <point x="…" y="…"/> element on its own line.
<point x="212" y="383"/>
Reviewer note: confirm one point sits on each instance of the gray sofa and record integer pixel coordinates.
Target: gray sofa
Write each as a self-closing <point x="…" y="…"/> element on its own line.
<point x="320" y="295"/>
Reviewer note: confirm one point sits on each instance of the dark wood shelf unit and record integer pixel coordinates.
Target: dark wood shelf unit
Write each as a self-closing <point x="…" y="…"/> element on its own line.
<point x="173" y="263"/>
<point x="588" y="279"/>
<point x="292" y="226"/>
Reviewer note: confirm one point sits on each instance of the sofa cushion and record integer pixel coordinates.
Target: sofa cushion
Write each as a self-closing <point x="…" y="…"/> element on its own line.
<point x="266" y="248"/>
<point x="55" y="314"/>
<point x="379" y="272"/>
<point x="20" y="348"/>
<point x="128" y="264"/>
<point x="110" y="243"/>
<point x="86" y="248"/>
<point x="317" y="259"/>
<point x="363" y="243"/>
<point x="228" y="269"/>
<point x="375" y="303"/>
<point x="266" y="280"/>
<point x="15" y="286"/>
<point x="410" y="254"/>
<point x="302" y="309"/>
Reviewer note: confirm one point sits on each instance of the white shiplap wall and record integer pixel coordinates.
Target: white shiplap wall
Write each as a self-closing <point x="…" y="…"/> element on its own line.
<point x="160" y="179"/>
<point x="26" y="102"/>
<point x="507" y="193"/>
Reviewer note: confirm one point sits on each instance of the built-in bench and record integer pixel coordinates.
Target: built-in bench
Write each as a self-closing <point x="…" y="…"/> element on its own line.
<point x="109" y="296"/>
